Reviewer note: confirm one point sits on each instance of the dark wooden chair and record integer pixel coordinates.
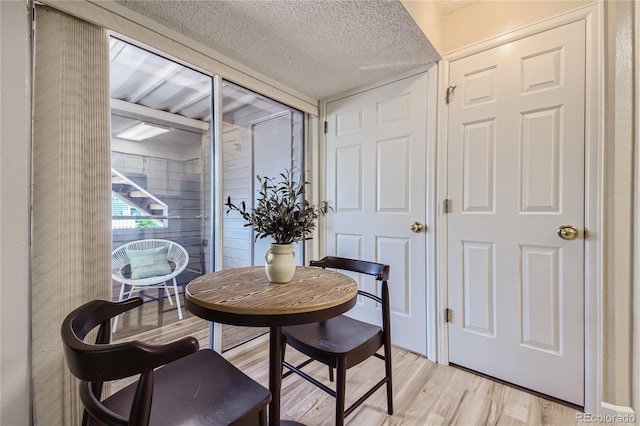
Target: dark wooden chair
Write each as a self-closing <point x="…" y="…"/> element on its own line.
<point x="343" y="342"/>
<point x="194" y="387"/>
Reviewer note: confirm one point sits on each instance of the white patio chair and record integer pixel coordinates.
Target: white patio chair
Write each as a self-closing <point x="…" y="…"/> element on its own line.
<point x="150" y="269"/>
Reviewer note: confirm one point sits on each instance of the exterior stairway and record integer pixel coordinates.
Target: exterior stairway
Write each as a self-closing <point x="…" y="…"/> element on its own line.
<point x="137" y="197"/>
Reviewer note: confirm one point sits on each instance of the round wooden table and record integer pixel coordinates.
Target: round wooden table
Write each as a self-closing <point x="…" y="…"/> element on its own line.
<point x="244" y="296"/>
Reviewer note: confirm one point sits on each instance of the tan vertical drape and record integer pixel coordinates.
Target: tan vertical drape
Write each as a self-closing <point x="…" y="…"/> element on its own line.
<point x="71" y="240"/>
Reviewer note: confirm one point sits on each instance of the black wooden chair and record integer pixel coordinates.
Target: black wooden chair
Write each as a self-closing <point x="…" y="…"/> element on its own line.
<point x="343" y="342"/>
<point x="194" y="387"/>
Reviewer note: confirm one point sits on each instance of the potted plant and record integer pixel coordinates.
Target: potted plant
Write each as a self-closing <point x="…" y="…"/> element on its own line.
<point x="281" y="213"/>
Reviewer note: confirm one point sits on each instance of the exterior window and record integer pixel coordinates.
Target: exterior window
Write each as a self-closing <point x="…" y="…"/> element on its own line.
<point x="260" y="137"/>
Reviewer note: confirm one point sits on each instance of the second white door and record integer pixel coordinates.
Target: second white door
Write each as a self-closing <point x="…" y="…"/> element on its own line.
<point x="516" y="228"/>
<point x="376" y="156"/>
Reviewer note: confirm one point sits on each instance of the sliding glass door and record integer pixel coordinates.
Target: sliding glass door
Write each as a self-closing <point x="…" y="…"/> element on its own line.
<point x="260" y="137"/>
<point x="161" y="163"/>
<point x="162" y="180"/>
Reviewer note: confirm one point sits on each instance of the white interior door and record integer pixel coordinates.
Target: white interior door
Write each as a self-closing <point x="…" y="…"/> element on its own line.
<point x="515" y="175"/>
<point x="376" y="149"/>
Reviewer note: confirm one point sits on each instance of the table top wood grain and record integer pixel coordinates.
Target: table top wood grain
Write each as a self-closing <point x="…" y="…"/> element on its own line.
<point x="247" y="291"/>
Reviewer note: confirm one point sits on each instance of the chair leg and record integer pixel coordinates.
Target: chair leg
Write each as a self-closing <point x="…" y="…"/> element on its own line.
<point x="175" y="289"/>
<point x="263" y="417"/>
<point x="387" y="368"/>
<point x="115" y="320"/>
<point x="341" y="380"/>
<point x="330" y="373"/>
<point x="166" y="289"/>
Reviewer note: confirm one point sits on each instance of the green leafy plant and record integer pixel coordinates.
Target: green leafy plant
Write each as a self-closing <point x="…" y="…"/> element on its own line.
<point x="146" y="223"/>
<point x="281" y="211"/>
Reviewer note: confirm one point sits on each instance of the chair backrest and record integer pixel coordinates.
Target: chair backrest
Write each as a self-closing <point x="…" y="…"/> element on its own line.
<point x="176" y="254"/>
<point x="96" y="363"/>
<point x="378" y="270"/>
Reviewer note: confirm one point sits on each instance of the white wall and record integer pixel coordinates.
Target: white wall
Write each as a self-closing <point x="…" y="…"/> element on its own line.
<point x="619" y="262"/>
<point x="482" y="19"/>
<point x="486" y="19"/>
<point x="14" y="213"/>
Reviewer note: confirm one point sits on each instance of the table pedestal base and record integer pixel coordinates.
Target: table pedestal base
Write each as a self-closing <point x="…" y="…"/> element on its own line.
<point x="275" y="379"/>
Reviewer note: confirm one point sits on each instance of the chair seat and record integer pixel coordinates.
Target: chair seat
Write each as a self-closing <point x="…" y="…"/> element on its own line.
<point x="199" y="389"/>
<point x="335" y="337"/>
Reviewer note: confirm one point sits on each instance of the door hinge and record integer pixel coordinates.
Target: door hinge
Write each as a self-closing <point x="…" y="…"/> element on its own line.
<point x="450" y="91"/>
<point x="448" y="315"/>
<point x="326" y="127"/>
<point x="446" y="206"/>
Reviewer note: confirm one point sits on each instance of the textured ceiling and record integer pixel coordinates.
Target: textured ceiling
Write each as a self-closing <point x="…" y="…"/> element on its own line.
<point x="318" y="47"/>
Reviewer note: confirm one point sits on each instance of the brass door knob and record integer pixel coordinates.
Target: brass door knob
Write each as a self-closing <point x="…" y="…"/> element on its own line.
<point x="417" y="227"/>
<point x="568" y="232"/>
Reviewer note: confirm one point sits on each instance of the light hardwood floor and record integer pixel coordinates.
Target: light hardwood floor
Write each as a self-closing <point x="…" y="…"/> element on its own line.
<point x="425" y="393"/>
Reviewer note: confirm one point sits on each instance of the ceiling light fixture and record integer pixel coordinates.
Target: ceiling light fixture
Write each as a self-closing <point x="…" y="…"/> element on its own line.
<point x="142" y="131"/>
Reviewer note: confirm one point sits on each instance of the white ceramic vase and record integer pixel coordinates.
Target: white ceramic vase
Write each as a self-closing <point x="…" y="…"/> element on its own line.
<point x="280" y="263"/>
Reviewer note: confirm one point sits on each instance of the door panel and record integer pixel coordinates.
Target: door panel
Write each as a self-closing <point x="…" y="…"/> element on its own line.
<point x="376" y="155"/>
<point x="541" y="288"/>
<point x="515" y="175"/>
<point x="479" y="288"/>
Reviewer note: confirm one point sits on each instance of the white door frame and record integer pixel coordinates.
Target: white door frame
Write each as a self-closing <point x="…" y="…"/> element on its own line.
<point x="431" y="301"/>
<point x="594" y="125"/>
